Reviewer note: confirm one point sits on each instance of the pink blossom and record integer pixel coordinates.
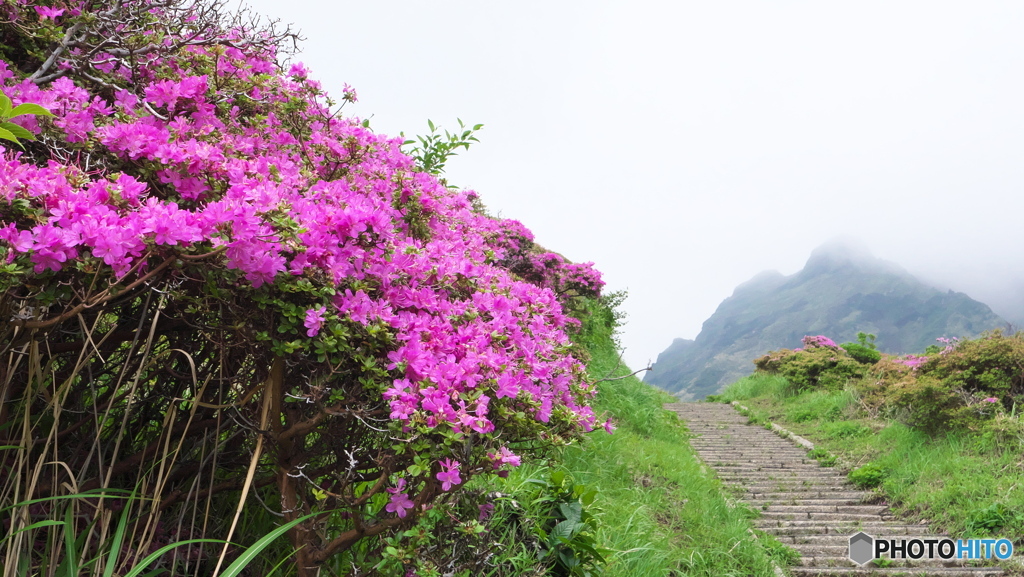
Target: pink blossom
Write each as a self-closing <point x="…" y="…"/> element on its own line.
<point x="991" y="400"/>
<point x="504" y="456"/>
<point x="314" y="319"/>
<point x="818" y="341"/>
<point x="485" y="511"/>
<point x="450" y="476"/>
<point x="400" y="501"/>
<point x="349" y="93"/>
<point x="913" y="361"/>
<point x="473" y="309"/>
<point x="47" y="12"/>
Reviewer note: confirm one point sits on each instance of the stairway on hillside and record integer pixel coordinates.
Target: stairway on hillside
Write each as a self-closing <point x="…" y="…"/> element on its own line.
<point x="810" y="508"/>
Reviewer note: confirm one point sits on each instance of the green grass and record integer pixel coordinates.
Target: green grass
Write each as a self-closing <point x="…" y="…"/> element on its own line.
<point x="660" y="511"/>
<point x="970" y="484"/>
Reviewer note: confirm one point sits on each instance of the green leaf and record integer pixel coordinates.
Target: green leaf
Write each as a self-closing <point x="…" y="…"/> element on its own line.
<point x="138" y="569"/>
<point x="571" y="511"/>
<point x="18" y="131"/>
<point x="38" y="525"/>
<point x="256" y="548"/>
<point x="29" y="108"/>
<point x="589" y="497"/>
<point x="5" y="106"/>
<point x="563" y="531"/>
<point x="557" y="477"/>
<point x="8" y="135"/>
<point x="115" y="544"/>
<point x="70" y="543"/>
<point x="105" y="493"/>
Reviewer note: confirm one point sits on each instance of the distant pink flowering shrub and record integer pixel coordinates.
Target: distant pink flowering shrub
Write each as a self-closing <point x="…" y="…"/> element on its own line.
<point x="912" y="361"/>
<point x="820" y="364"/>
<point x="288" y="257"/>
<point x="818" y="341"/>
<point x="948" y="344"/>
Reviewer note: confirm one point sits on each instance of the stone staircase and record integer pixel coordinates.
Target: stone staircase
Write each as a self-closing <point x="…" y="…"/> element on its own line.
<point x="810" y="508"/>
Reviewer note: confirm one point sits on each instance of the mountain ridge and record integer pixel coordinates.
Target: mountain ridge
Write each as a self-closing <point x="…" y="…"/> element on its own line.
<point x="842" y="290"/>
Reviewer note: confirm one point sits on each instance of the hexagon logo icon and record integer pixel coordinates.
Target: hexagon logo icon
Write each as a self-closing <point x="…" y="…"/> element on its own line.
<point x="862" y="548"/>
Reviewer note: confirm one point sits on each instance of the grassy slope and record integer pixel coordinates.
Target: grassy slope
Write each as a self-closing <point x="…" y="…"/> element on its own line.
<point x="968" y="485"/>
<point x="660" y="511"/>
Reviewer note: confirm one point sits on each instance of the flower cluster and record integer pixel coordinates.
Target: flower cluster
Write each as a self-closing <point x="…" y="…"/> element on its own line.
<point x="912" y="361"/>
<point x="819" y="341"/>
<point x="268" y="201"/>
<point x="209" y="161"/>
<point x="514" y="249"/>
<point x="948" y="344"/>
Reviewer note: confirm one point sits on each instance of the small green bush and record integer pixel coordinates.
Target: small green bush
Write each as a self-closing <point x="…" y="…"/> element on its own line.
<point x="781" y="553"/>
<point x="992" y="519"/>
<point x="845" y="430"/>
<point x="861" y="353"/>
<point x="867" y="477"/>
<point x="988" y="367"/>
<point x="824" y="458"/>
<point x="828" y="368"/>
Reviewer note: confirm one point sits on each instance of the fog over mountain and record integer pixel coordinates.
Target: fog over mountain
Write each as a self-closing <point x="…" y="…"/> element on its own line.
<point x="999" y="288"/>
<point x="842" y="290"/>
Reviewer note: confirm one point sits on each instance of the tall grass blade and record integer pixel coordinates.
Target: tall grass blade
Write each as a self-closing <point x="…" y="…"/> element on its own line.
<point x="138" y="569"/>
<point x="256" y="548"/>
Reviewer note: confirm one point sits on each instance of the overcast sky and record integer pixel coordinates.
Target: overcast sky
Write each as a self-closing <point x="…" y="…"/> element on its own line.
<point x="686" y="146"/>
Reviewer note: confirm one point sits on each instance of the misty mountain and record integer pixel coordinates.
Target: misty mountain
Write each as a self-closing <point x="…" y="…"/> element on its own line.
<point x="841" y="290"/>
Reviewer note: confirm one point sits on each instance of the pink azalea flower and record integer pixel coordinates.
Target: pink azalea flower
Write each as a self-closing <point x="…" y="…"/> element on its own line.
<point x="991" y="400"/>
<point x="47" y="12"/>
<point x="450" y="476"/>
<point x="314" y="320"/>
<point x="504" y="457"/>
<point x="400" y="501"/>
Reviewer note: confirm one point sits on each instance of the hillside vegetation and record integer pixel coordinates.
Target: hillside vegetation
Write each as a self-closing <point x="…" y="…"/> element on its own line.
<point x="940" y="436"/>
<point x="229" y="311"/>
<point x="656" y="509"/>
<point x="244" y="334"/>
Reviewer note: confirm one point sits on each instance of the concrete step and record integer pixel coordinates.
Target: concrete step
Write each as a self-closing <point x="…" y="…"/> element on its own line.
<point x="835" y="517"/>
<point x="795" y="501"/>
<point x="862" y="496"/>
<point x="843" y="539"/>
<point x="840" y="509"/>
<point x="778" y="486"/>
<point x="808" y="527"/>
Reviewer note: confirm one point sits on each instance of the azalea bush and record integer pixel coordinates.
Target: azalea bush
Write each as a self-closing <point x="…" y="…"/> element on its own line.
<point x="964" y="385"/>
<point x="215" y="285"/>
<point x="819" y="364"/>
